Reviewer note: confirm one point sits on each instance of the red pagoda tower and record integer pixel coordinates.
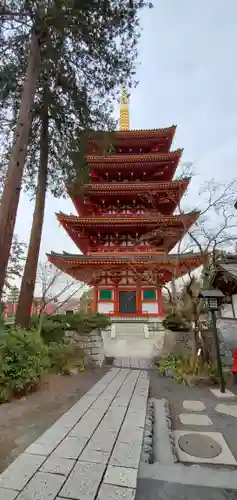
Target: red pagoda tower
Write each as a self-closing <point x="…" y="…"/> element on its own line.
<point x="126" y="227"/>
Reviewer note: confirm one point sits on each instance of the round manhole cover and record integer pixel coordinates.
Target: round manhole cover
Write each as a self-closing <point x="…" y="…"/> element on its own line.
<point x="199" y="446"/>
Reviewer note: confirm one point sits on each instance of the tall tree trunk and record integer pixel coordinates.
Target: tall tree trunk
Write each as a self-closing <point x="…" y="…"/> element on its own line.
<point x="29" y="277"/>
<point x="194" y="343"/>
<point x="12" y="187"/>
<point x="174" y="294"/>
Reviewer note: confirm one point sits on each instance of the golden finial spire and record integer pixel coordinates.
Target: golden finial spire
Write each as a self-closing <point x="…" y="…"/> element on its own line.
<point x="124" y="111"/>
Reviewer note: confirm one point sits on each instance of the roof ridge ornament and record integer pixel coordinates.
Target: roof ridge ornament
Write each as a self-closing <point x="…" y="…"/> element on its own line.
<point x="124" y="111"/>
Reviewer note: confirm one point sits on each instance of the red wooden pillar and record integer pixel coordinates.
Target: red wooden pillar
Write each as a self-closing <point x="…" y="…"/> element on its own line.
<point x="139" y="299"/>
<point x="160" y="302"/>
<point x="95" y="300"/>
<point x="116" y="299"/>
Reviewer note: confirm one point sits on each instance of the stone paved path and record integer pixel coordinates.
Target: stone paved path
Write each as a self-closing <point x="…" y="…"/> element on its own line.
<point x="92" y="451"/>
<point x="132" y="362"/>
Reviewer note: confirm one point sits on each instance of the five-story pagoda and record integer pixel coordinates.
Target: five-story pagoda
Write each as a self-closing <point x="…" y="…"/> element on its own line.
<point x="126" y="227"/>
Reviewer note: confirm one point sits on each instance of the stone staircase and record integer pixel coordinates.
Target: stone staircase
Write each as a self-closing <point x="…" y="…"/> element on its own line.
<point x="131" y="339"/>
<point x="127" y="330"/>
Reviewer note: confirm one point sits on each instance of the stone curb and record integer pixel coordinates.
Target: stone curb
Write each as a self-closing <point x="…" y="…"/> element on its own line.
<point x="147" y="445"/>
<point x="163" y="443"/>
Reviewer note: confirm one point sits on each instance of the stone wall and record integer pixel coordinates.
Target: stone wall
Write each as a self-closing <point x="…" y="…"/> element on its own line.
<point x="180" y="343"/>
<point x="227" y="330"/>
<point x="92" y="345"/>
<point x="176" y="343"/>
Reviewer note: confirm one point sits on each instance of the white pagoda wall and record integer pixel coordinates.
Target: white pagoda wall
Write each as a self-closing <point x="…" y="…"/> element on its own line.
<point x="150" y="307"/>
<point x="105" y="307"/>
<point x="145" y="305"/>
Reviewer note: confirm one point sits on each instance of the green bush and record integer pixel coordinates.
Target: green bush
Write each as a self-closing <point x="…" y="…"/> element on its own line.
<point x="64" y="357"/>
<point x="23" y="361"/>
<point x="52" y="331"/>
<point x="183" y="369"/>
<point x="175" y="323"/>
<point x="55" y="325"/>
<point x="81" y="322"/>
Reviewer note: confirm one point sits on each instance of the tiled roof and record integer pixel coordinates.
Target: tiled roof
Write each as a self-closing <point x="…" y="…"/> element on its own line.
<point x="116" y="258"/>
<point x="133" y="158"/>
<point x="230" y="269"/>
<point x="138" y="186"/>
<point x="142" y="132"/>
<point x="125" y="220"/>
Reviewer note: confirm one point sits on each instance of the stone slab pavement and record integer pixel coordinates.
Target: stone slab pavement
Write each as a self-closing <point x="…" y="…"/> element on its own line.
<point x="92" y="451"/>
<point x="133" y="363"/>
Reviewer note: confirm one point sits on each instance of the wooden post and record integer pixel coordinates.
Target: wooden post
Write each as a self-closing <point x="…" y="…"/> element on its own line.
<point x="95" y="300"/>
<point x="160" y="302"/>
<point x="116" y="298"/>
<point x="139" y="299"/>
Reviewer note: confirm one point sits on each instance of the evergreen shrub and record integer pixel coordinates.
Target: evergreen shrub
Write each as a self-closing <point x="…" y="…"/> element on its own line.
<point x="54" y="326"/>
<point x="23" y="361"/>
<point x="65" y="357"/>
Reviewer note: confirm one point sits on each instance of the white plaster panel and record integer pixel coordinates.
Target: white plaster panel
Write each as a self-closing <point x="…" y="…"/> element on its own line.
<point x="150" y="307"/>
<point x="105" y="307"/>
<point x="234" y="298"/>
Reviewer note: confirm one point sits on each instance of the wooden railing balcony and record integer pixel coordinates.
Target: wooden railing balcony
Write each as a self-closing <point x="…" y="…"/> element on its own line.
<point x="123" y="249"/>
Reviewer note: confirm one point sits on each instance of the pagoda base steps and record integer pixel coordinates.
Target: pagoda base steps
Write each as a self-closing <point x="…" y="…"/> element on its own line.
<point x="129" y="330"/>
<point x="132" y="340"/>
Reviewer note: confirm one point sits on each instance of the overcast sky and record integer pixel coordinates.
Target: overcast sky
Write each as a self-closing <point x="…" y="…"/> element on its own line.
<point x="188" y="77"/>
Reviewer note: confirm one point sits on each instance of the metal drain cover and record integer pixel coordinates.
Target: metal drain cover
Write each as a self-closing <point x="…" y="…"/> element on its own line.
<point x="199" y="445"/>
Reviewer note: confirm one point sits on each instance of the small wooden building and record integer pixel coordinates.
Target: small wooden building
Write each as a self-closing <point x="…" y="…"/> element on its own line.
<point x="225" y="279"/>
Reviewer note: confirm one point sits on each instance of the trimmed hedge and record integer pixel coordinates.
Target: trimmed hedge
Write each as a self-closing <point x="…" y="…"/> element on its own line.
<point x="55" y="325"/>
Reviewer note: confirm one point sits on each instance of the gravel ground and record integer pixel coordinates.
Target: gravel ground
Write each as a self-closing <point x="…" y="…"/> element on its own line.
<point x="23" y="420"/>
<point x="164" y="387"/>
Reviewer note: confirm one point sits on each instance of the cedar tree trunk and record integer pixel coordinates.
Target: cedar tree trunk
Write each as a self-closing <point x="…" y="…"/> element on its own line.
<point x="25" y="301"/>
<point x="12" y="187"/>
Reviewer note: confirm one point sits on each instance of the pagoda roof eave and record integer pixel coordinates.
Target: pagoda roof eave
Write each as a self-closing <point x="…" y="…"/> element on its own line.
<point x="113" y="160"/>
<point x="109" y="188"/>
<point x="83" y="227"/>
<point x="90" y="259"/>
<point x="93" y="221"/>
<point x="88" y="269"/>
<point x="161" y="132"/>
